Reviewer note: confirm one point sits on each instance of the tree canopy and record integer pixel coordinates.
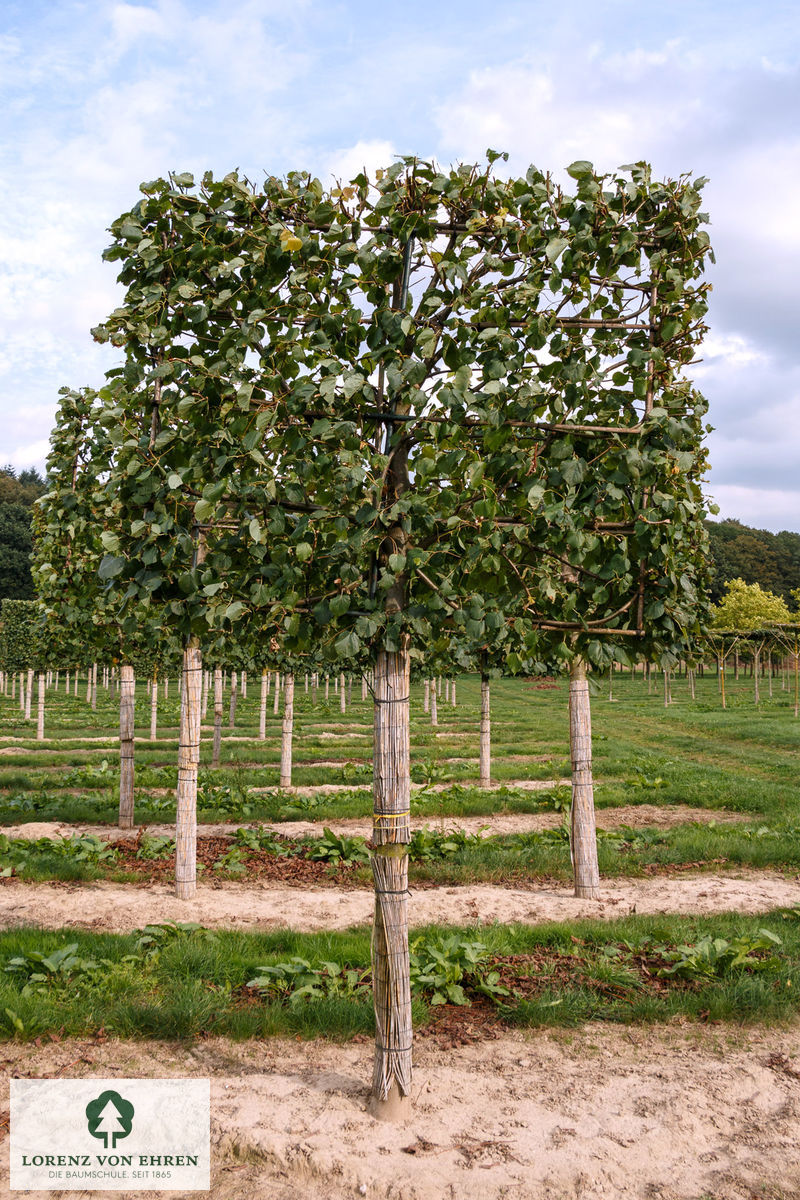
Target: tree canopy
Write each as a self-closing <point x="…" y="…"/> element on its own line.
<point x="747" y="606"/>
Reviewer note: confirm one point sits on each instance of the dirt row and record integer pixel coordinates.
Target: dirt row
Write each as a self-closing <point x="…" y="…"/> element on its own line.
<point x="124" y="907"/>
<point x="676" y="1113"/>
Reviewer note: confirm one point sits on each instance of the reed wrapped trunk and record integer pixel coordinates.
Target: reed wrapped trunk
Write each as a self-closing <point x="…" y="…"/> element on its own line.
<point x="756" y="672"/>
<point x="342" y="695"/>
<point x="262" y="711"/>
<point x="391" y="835"/>
<point x="453" y="693"/>
<point x="217" y="743"/>
<point x="204" y="697"/>
<point x="277" y="698"/>
<point x="287" y="731"/>
<point x="94" y="687"/>
<point x="234" y="698"/>
<point x="426" y="696"/>
<point x="434" y="708"/>
<point x="88" y="685"/>
<point x="154" y="705"/>
<point x="327" y="686"/>
<point x="127" y="712"/>
<point x="244" y="685"/>
<point x="486" y="734"/>
<point x="583" y="833"/>
<point x="28" y="693"/>
<point x="188" y="762"/>
<point x="40" y="684"/>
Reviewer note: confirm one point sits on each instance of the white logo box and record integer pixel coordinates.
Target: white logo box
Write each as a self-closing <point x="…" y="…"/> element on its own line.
<point x="110" y="1134"/>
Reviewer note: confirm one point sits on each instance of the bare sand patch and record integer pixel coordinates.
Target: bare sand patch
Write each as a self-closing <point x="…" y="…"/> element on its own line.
<point x="599" y="1113"/>
<point x="124" y="907"/>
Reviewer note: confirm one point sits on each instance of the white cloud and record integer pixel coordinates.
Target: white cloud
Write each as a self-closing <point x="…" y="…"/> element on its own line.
<point x="345" y="164"/>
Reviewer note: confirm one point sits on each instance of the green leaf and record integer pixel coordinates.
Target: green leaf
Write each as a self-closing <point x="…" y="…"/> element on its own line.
<point x="174" y="481"/>
<point x="110" y="566"/>
<point x="303" y="551"/>
<point x="347" y="645"/>
<point x="555" y="247"/>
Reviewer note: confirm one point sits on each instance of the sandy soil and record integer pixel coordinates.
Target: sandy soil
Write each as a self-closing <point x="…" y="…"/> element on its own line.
<point x="634" y="815"/>
<point x="601" y="1114"/>
<point x="123" y="907"/>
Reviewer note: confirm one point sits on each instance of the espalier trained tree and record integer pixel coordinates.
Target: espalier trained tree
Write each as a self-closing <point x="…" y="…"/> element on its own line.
<point x="366" y="416"/>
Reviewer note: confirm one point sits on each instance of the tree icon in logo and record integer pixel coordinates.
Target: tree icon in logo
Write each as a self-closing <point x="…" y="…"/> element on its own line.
<point x="109" y="1116"/>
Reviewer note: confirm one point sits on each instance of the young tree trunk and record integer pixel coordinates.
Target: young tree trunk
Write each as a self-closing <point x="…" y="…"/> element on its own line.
<point x="94" y="687"/>
<point x="305" y="682"/>
<point x="21" y="691"/>
<point x="262" y="711"/>
<point x="166" y="687"/>
<point x="363" y="687"/>
<point x="391" y="834"/>
<point x="277" y="698"/>
<point x="583" y="842"/>
<point x="244" y="685"/>
<point x="234" y="698"/>
<point x="287" y="730"/>
<point x="127" y="711"/>
<point x="434" y="709"/>
<point x="770" y="671"/>
<point x="426" y="696"/>
<point x="342" y="695"/>
<point x="88" y="685"/>
<point x="66" y="684"/>
<point x="453" y="693"/>
<point x="40" y="685"/>
<point x="217" y="743"/>
<point x="204" y="698"/>
<point x="188" y="762"/>
<point x="486" y="734"/>
<point x="667" y="696"/>
<point x="327" y="685"/>
<point x="154" y="705"/>
<point x="691" y="683"/>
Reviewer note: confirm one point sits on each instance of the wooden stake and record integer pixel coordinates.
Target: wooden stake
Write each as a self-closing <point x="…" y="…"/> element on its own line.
<point x="127" y="711"/>
<point x="391" y="1080"/>
<point x="583" y="841"/>
<point x="286" y="732"/>
<point x="188" y="762"/>
<point x="486" y="734"/>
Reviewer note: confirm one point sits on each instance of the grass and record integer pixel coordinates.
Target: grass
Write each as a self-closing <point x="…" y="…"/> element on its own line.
<point x="174" y="982"/>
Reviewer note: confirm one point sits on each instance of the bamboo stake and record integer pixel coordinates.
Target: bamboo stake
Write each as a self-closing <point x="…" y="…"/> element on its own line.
<point x="188" y="762"/>
<point x="217" y="743"/>
<point x="583" y="839"/>
<point x="486" y="734"/>
<point x="127" y="709"/>
<point x="262" y="709"/>
<point x="391" y="1081"/>
<point x="286" y="732"/>
<point x="40" y="707"/>
<point x="154" y="705"/>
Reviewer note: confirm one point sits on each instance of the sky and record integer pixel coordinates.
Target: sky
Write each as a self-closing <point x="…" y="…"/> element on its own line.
<point x="98" y="96"/>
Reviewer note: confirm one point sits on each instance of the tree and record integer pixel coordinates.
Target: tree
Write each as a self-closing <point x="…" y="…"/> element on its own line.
<point x="404" y="411"/>
<point x="17" y="494"/>
<point x="747" y="606"/>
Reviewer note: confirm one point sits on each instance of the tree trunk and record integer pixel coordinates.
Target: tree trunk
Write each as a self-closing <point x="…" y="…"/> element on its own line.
<point x="94" y="687"/>
<point x="40" y="685"/>
<point x="277" y="698"/>
<point x="127" y="712"/>
<point x="66" y="684"/>
<point x="28" y="693"/>
<point x="342" y="695"/>
<point x="756" y="665"/>
<point x="234" y="698"/>
<point x="154" y="705"/>
<point x="390" y="836"/>
<point x="75" y="684"/>
<point x="314" y="685"/>
<point x="204" y="698"/>
<point x="244" y="685"/>
<point x="363" y="687"/>
<point x="583" y="841"/>
<point x="188" y="762"/>
<point x="262" y="711"/>
<point x="327" y="685"/>
<point x="287" y="730"/>
<point x="217" y="744"/>
<point x="486" y="734"/>
<point x="434" y="709"/>
<point x="426" y="696"/>
<point x="691" y="683"/>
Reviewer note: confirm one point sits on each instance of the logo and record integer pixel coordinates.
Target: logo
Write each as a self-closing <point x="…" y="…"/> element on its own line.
<point x="110" y="1117"/>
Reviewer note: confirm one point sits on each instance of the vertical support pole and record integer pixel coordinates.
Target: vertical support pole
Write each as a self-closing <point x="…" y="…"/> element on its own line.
<point x="287" y="731"/>
<point x="28" y="693"/>
<point x="434" y="709"/>
<point x="217" y="743"/>
<point x="486" y="734"/>
<point x="154" y="705"/>
<point x="583" y="840"/>
<point x="40" y="685"/>
<point x="262" y="710"/>
<point x="188" y="762"/>
<point x="234" y="698"/>
<point x="127" y="710"/>
<point x="391" y="833"/>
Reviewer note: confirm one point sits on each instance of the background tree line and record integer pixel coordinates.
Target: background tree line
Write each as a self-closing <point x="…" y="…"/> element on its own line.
<point x="739" y="551"/>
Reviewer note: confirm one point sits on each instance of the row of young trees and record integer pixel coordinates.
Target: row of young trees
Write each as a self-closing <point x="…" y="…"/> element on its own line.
<point x="435" y="417"/>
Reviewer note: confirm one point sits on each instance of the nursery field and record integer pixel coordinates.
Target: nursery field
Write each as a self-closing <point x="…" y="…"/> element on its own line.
<point x="644" y="1044"/>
